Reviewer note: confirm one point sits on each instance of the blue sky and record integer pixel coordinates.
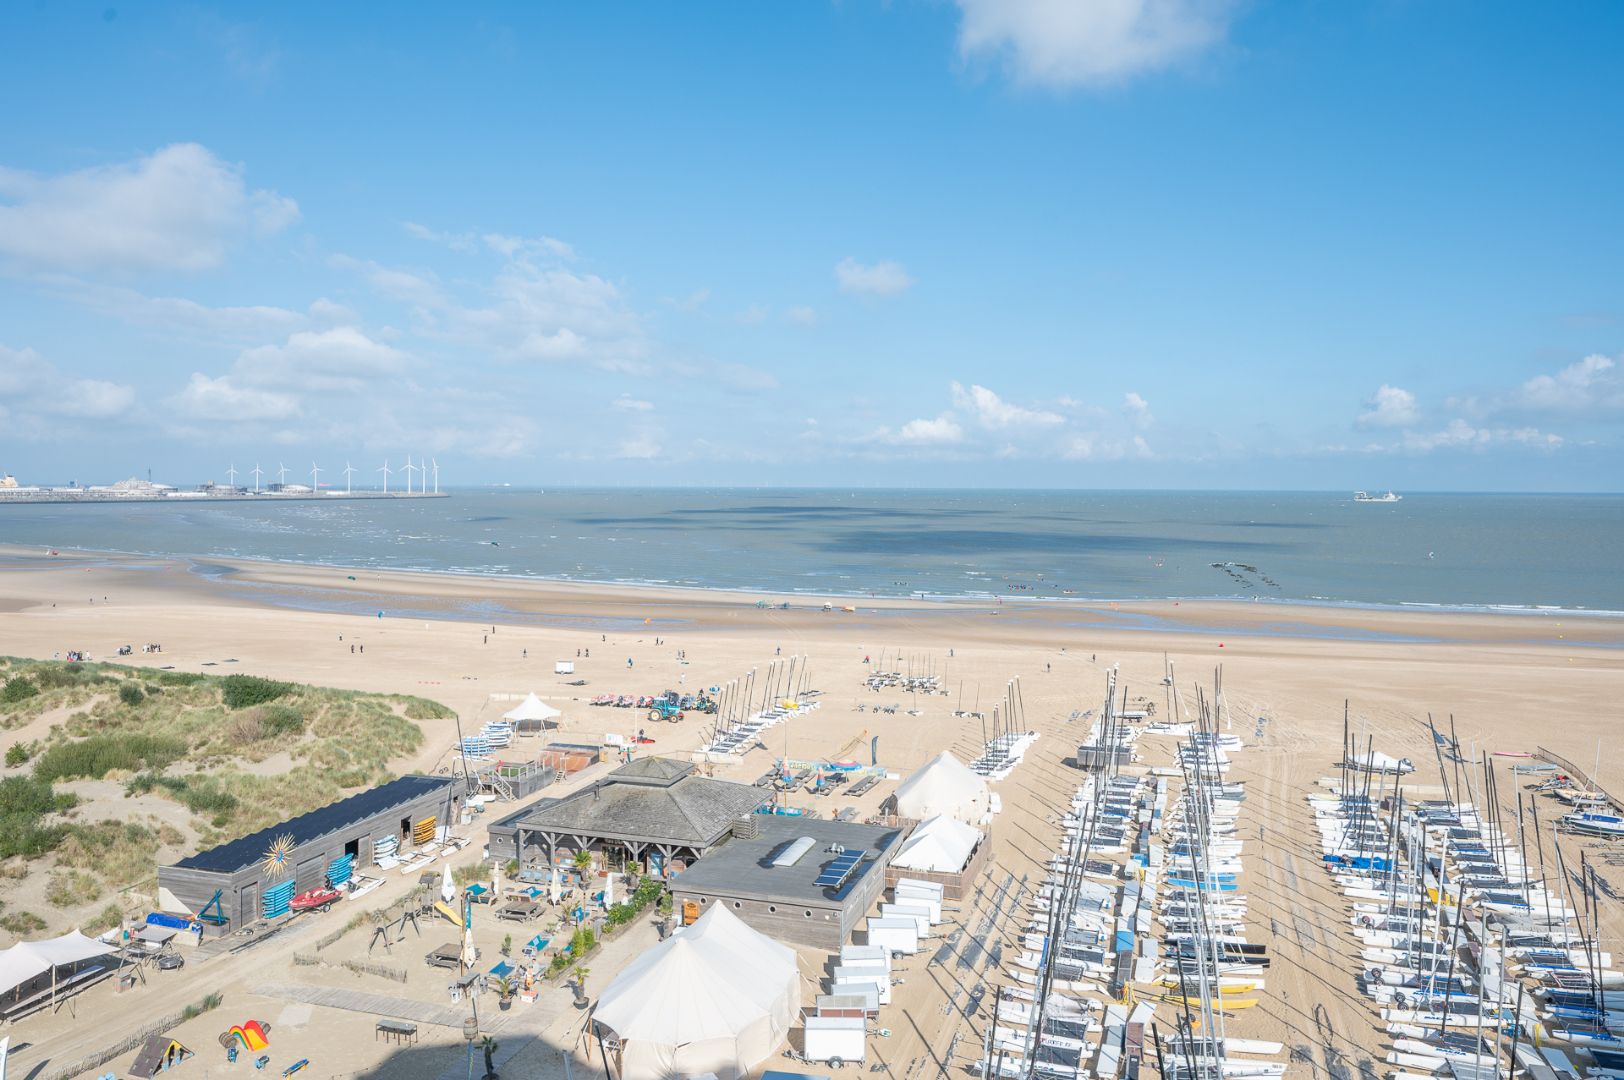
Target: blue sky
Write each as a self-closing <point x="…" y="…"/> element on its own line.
<point x="1138" y="243"/>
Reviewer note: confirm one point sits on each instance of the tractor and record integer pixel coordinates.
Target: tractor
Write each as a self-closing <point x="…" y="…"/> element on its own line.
<point x="668" y="706"/>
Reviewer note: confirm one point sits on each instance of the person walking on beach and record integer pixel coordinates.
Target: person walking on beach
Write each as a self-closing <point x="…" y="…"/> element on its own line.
<point x="352" y="650"/>
<point x="628" y="661"/>
<point x="525" y="653"/>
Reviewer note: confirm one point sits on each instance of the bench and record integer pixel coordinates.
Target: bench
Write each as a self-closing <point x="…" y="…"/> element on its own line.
<point x="395" y="1031"/>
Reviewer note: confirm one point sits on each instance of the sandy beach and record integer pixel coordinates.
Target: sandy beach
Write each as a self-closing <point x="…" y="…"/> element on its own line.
<point x="1509" y="683"/>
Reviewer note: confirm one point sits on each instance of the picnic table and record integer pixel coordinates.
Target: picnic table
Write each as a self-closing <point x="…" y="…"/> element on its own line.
<point x="395" y="1031"/>
<point x="519" y="910"/>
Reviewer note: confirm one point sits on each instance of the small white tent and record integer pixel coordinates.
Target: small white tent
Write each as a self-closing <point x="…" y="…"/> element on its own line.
<point x="945" y="786"/>
<point x="531" y="714"/>
<point x="941" y="845"/>
<point x="716" y="996"/>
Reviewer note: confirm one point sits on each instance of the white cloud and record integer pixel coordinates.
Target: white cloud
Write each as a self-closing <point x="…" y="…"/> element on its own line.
<point x="94" y="399"/>
<point x="1137" y="410"/>
<point x="512" y="247"/>
<point x="1390" y="406"/>
<point x="631" y="404"/>
<point x="184" y="318"/>
<point x="884" y="278"/>
<point x="942" y="431"/>
<point x="34" y="389"/>
<point x="179" y="208"/>
<point x="1093" y="446"/>
<point x="1592" y="383"/>
<point x="340" y="359"/>
<point x="801" y="315"/>
<point x="995" y="414"/>
<point x="1067" y="43"/>
<point x="1458" y="434"/>
<point x="454" y="241"/>
<point x="224" y="399"/>
<point x="645" y="447"/>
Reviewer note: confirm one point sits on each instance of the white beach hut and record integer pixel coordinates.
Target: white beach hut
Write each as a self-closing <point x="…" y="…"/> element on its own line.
<point x="532" y="715"/>
<point x="941" y="845"/>
<point x="716" y="997"/>
<point x="945" y="786"/>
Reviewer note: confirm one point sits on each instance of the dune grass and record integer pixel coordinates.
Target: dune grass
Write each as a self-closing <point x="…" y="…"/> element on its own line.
<point x="210" y="743"/>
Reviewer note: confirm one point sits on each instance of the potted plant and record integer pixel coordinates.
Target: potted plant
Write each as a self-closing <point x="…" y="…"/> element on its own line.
<point x="507" y="945"/>
<point x="488" y="1047"/>
<point x="579" y="986"/>
<point x="503" y="985"/>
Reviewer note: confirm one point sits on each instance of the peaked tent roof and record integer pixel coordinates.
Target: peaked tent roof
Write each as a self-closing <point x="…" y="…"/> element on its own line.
<point x="712" y="980"/>
<point x="941" y="845"/>
<point x="531" y="708"/>
<point x="944" y="786"/>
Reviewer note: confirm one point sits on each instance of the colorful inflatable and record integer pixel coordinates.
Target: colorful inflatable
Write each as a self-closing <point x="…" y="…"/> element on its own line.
<point x="251" y="1036"/>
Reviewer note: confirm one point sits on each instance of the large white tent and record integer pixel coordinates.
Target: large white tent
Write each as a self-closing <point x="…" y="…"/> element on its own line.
<point x="28" y="960"/>
<point x="940" y="845"/>
<point x="531" y="714"/>
<point x="945" y="786"/>
<point x="716" y="997"/>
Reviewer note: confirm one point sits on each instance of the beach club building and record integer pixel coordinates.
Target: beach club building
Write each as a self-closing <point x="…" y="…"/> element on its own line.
<point x="375" y="823"/>
<point x="654" y="812"/>
<point x="801" y="880"/>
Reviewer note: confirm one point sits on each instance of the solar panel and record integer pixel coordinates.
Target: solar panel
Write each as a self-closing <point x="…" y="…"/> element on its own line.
<point x="835" y="874"/>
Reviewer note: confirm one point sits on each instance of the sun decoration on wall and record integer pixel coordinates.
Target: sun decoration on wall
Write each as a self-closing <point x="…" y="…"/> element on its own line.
<point x="277" y="855"/>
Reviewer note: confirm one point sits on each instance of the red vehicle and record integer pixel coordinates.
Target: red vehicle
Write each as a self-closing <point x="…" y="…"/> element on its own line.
<point x="315" y="900"/>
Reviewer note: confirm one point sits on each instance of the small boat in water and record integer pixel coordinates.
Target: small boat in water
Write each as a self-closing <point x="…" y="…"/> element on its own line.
<point x="1366" y="497"/>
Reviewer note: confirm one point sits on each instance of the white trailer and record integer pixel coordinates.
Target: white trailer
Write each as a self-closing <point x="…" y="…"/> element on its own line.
<point x="563" y="667"/>
<point x="920" y="885"/>
<point x="836" y="1039"/>
<point x="858" y="955"/>
<point x="854" y="979"/>
<point x="917" y="912"/>
<point x="904" y="895"/>
<point x="900" y="935"/>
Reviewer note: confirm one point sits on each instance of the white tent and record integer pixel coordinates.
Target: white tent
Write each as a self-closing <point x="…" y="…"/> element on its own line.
<point x="27" y="960"/>
<point x="941" y="845"/>
<point x="531" y="714"/>
<point x="945" y="786"/>
<point x="716" y="997"/>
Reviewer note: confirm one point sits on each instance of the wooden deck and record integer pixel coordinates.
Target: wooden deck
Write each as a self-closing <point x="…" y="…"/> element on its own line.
<point x="450" y="1016"/>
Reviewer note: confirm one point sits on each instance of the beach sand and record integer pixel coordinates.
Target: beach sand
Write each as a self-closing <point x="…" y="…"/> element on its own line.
<point x="1510" y="683"/>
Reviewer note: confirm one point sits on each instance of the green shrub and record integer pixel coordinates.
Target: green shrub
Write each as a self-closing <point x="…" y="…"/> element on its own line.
<point x="130" y="694"/>
<point x="179" y="678"/>
<point x="241" y="691"/>
<point x="423" y="709"/>
<point x="282" y="720"/>
<point x="17" y="688"/>
<point x="109" y="919"/>
<point x="19" y="752"/>
<point x="22" y="923"/>
<point x="199" y="794"/>
<point x="98" y="755"/>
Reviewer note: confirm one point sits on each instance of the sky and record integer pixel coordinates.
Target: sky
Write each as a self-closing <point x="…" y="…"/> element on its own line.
<point x="1006" y="243"/>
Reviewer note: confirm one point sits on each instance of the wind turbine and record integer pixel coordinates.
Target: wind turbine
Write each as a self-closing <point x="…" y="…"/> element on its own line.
<point x="436" y="475"/>
<point x="315" y="477"/>
<point x="257" y="475"/>
<point x="348" y="470"/>
<point x="410" y="468"/>
<point x="282" y="475"/>
<point x="385" y="470"/>
<point x="231" y="474"/>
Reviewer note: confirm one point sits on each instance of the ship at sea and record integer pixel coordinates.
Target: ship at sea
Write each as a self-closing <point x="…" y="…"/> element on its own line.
<point x="1365" y="496"/>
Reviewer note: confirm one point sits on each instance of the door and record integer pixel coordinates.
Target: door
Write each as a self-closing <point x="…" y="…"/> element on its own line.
<point x="248" y="904"/>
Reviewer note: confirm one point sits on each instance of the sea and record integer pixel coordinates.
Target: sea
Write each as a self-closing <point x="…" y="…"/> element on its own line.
<point x="1455" y="551"/>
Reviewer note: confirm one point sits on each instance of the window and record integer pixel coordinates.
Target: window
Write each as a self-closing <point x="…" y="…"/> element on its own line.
<point x="772" y="909"/>
<point x="807" y="913"/>
<point x="736" y="905"/>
